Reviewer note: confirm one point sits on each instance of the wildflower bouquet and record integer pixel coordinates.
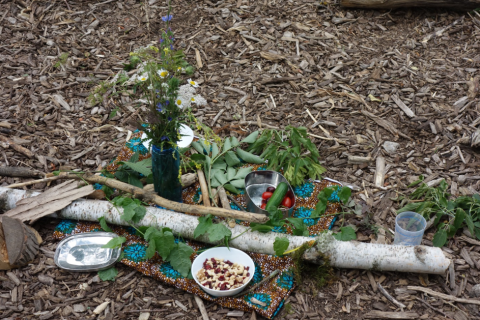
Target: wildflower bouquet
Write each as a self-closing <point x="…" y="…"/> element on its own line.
<point x="158" y="84"/>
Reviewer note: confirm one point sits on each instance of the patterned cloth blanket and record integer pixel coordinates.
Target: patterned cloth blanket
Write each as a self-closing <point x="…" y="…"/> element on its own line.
<point x="270" y="296"/>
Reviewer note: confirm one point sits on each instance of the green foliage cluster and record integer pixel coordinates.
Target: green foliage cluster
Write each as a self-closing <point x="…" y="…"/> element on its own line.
<point x="220" y="160"/>
<point x="450" y="214"/>
<point x="62" y="59"/>
<point x="291" y="150"/>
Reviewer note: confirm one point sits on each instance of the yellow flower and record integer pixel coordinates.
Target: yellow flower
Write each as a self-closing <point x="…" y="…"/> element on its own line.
<point x="166" y="50"/>
<point x="162" y="73"/>
<point x="192" y="83"/>
<point x="154" y="48"/>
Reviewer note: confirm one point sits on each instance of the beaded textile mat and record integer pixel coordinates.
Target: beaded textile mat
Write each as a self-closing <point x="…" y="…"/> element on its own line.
<point x="270" y="296"/>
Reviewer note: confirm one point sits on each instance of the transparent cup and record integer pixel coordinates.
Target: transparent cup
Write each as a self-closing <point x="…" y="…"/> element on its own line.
<point x="409" y="228"/>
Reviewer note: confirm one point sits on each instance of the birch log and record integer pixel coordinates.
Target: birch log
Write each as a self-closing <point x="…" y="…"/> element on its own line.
<point x="352" y="254"/>
<point x="391" y="4"/>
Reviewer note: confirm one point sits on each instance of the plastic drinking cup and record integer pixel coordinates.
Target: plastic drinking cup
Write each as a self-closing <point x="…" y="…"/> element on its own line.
<point x="409" y="228"/>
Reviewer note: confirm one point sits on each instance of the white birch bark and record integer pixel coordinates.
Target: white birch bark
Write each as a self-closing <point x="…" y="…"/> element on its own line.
<point x="351" y="254"/>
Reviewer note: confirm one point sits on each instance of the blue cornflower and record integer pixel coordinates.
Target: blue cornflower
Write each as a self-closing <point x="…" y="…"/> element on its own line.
<point x="161" y="40"/>
<point x="165" y="138"/>
<point x="169" y="118"/>
<point x="167" y="102"/>
<point x="159" y="107"/>
<point x="171" y="47"/>
<point x="167" y="18"/>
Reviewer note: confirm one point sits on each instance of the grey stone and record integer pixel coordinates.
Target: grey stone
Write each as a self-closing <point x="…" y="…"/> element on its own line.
<point x="79" y="308"/>
<point x="390" y="146"/>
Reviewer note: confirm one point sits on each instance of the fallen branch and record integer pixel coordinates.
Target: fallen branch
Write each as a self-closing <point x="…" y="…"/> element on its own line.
<point x="28" y="183"/>
<point x="444" y="296"/>
<point x="20" y="172"/>
<point x="16" y="147"/>
<point x="392" y="4"/>
<point x="389" y="297"/>
<point x="176" y="206"/>
<point x="341" y="254"/>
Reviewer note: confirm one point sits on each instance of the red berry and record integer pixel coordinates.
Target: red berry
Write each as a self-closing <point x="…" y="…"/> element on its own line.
<point x="221" y="278"/>
<point x="217" y="270"/>
<point x="263" y="206"/>
<point x="267" y="195"/>
<point x="248" y="274"/>
<point x="247" y="268"/>
<point x="271" y="189"/>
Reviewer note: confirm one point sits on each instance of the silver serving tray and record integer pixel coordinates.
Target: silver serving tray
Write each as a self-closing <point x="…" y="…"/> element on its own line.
<point x="84" y="252"/>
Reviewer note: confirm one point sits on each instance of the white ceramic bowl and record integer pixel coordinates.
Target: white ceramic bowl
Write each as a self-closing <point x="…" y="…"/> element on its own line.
<point x="232" y="254"/>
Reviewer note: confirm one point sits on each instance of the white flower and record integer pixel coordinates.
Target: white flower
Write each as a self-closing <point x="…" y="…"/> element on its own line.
<point x="150" y="87"/>
<point x="143" y="77"/>
<point x="165" y="85"/>
<point x="162" y="73"/>
<point x="180" y="102"/>
<point x="199" y="100"/>
<point x="192" y="83"/>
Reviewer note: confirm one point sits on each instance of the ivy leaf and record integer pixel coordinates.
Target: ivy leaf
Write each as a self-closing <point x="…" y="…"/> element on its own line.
<point x="440" y="238"/>
<point x="242" y="173"/>
<point x="231" y="158"/>
<point x="231" y="188"/>
<point x="249" y="157"/>
<point x="115" y="243"/>
<point x="346" y="234"/>
<point x="344" y="194"/>
<point x="230" y="173"/>
<point x="251" y="138"/>
<point x="180" y="258"/>
<point x="108" y="274"/>
<point x="164" y="244"/>
<point x="104" y="225"/>
<point x="217" y="232"/>
<point x="204" y="223"/>
<point x="280" y="245"/>
<point x="240" y="183"/>
<point x="150" y="249"/>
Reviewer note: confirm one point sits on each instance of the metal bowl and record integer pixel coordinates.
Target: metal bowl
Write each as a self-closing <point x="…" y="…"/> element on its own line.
<point x="256" y="183"/>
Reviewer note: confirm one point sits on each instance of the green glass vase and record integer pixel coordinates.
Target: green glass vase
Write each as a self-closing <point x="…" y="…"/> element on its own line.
<point x="165" y="169"/>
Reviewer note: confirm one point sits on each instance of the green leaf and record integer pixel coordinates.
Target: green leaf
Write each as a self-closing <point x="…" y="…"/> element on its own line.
<point x="230" y="173"/>
<point x="477" y="233"/>
<point x="280" y="245"/>
<point x="346" y="234"/>
<point x="134" y="181"/>
<point x="140" y="212"/>
<point x="440" y="238"/>
<point x="150" y="252"/>
<point x="239" y="183"/>
<point x="215" y="183"/>
<point x="249" y="157"/>
<point x="108" y="274"/>
<point x="219" y="164"/>
<point x="221" y="177"/>
<point x="231" y="159"/>
<point x="242" y="173"/>
<point x="180" y="258"/>
<point x="115" y="243"/>
<point x="128" y="212"/>
<point x="231" y="188"/>
<point x="150" y="232"/>
<point x="344" y="194"/>
<point x="215" y="150"/>
<point x="164" y="244"/>
<point x="260" y="227"/>
<point x="413" y="184"/>
<point x="410" y="207"/>
<point x="227" y="145"/>
<point x="251" y="138"/>
<point x="204" y="223"/>
<point x="459" y="218"/>
<point x="198" y="146"/>
<point x="198" y="157"/>
<point x="217" y="232"/>
<point x="104" y="225"/>
<point x="235" y="142"/>
<point x="144" y="167"/>
<point x="469" y="222"/>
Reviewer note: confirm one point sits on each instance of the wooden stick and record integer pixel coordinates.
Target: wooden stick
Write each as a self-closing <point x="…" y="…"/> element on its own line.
<point x="379" y="178"/>
<point x="204" y="188"/>
<point x="201" y="306"/>
<point x="444" y="296"/>
<point x="172" y="205"/>
<point x="431" y="307"/>
<point x="392" y="4"/>
<point x="389" y="297"/>
<point x="16" y="147"/>
<point x="20" y="172"/>
<point x="28" y="183"/>
<point x="225" y="204"/>
<point x="273" y="274"/>
<point x="374" y="314"/>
